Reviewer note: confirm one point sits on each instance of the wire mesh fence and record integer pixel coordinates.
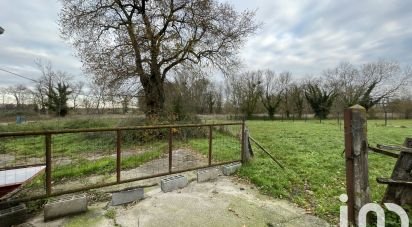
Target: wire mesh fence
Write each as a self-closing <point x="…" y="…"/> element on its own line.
<point x="21" y="159"/>
<point x="80" y="159"/>
<point x="144" y="153"/>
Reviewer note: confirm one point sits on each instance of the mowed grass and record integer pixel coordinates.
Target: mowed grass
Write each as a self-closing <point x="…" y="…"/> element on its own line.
<point x="315" y="166"/>
<point x="224" y="147"/>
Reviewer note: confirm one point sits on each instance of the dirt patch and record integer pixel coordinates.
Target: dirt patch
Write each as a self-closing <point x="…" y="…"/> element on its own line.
<point x="6" y="159"/>
<point x="181" y="159"/>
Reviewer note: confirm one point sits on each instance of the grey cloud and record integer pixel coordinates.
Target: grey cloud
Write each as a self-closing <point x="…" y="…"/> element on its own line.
<point x="309" y="36"/>
<point x="32" y="33"/>
<point x="302" y="36"/>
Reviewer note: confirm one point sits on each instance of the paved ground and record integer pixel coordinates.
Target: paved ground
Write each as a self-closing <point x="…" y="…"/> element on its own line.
<point x="226" y="201"/>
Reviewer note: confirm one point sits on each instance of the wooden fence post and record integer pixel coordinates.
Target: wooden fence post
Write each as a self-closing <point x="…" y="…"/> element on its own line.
<point x="356" y="154"/>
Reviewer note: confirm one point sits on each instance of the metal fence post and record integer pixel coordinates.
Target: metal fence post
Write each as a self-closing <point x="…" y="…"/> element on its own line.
<point x="118" y="154"/>
<point x="242" y="154"/>
<point x="48" y="164"/>
<point x="210" y="144"/>
<point x="356" y="155"/>
<point x="170" y="149"/>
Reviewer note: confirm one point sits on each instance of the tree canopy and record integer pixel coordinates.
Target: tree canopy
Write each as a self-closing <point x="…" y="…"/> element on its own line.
<point x="117" y="42"/>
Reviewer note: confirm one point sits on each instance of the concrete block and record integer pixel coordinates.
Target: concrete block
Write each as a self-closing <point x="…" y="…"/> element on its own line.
<point x="13" y="215"/>
<point x="127" y="196"/>
<point x="207" y="174"/>
<point x="63" y="206"/>
<point x="231" y="168"/>
<point x="172" y="183"/>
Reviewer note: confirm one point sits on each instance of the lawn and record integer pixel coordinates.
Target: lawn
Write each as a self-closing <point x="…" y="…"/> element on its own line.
<point x="315" y="166"/>
<point x="312" y="153"/>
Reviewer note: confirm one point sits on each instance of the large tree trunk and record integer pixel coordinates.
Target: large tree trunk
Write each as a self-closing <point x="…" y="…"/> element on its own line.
<point x="271" y="113"/>
<point x="154" y="95"/>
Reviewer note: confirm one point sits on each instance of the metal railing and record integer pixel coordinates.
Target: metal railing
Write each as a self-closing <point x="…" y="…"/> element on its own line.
<point x="48" y="151"/>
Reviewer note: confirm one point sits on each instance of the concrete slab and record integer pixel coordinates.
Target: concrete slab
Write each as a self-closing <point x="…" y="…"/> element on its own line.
<point x="227" y="201"/>
<point x="219" y="203"/>
<point x="127" y="196"/>
<point x="64" y="206"/>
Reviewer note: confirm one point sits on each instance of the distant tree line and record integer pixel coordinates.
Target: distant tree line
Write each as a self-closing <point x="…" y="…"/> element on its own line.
<point x="369" y="85"/>
<point x="381" y="84"/>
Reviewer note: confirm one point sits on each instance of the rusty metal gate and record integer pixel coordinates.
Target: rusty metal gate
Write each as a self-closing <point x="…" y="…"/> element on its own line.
<point x="82" y="159"/>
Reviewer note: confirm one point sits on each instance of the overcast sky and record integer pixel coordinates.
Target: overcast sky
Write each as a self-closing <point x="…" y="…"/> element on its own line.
<point x="304" y="37"/>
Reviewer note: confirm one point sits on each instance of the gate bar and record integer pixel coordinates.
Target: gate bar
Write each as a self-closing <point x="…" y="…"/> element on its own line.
<point x="109" y="184"/>
<point x="118" y="154"/>
<point x="170" y="149"/>
<point x="210" y="144"/>
<point x="48" y="165"/>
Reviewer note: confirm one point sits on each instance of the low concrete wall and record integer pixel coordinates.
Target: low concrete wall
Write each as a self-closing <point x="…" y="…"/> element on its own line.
<point x="13" y="215"/>
<point x="127" y="196"/>
<point x="172" y="183"/>
<point x="63" y="206"/>
<point x="231" y="168"/>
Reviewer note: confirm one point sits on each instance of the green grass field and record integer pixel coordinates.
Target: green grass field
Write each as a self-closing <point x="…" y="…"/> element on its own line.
<point x="313" y="156"/>
<point x="311" y="152"/>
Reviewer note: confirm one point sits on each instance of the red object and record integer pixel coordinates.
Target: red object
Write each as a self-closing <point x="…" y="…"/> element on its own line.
<point x="6" y="189"/>
<point x="12" y="179"/>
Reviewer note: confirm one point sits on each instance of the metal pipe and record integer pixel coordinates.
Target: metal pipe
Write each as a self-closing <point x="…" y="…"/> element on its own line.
<point x="109" y="184"/>
<point x="210" y="144"/>
<point x="48" y="164"/>
<point x="63" y="131"/>
<point x="170" y="149"/>
<point x="118" y="154"/>
<point x="242" y="144"/>
<point x="22" y="166"/>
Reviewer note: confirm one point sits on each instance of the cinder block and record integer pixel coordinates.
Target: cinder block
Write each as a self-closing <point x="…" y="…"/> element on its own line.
<point x="231" y="168"/>
<point x="207" y="174"/>
<point x="13" y="215"/>
<point x="63" y="206"/>
<point x="127" y="196"/>
<point x="172" y="183"/>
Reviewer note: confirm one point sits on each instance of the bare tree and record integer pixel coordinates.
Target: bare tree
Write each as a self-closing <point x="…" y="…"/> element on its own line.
<point x="297" y="96"/>
<point x="285" y="78"/>
<point x="87" y="103"/>
<point x="98" y="95"/>
<point x="20" y="93"/>
<point x="368" y="84"/>
<point x="116" y="38"/>
<point x="245" y="91"/>
<point x="3" y="92"/>
<point x="272" y="89"/>
<point x="76" y="91"/>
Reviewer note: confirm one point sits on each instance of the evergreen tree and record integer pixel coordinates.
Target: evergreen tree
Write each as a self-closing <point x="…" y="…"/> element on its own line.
<point x="58" y="97"/>
<point x="320" y="100"/>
